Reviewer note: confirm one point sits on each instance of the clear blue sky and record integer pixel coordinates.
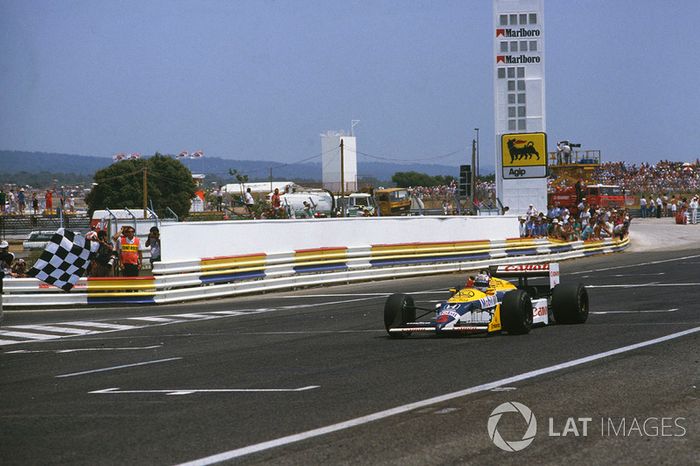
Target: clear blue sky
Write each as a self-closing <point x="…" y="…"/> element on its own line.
<point x="261" y="79"/>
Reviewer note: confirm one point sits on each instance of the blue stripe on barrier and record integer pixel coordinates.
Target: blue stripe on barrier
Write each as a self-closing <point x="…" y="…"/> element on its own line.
<point x="386" y="262"/>
<point x="231" y="277"/>
<point x="556" y="249"/>
<point x="521" y="252"/>
<point x="121" y="300"/>
<point x="319" y="268"/>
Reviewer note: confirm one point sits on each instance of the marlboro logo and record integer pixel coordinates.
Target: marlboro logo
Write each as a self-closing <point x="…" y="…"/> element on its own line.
<point x="522" y="32"/>
<point x="520" y="59"/>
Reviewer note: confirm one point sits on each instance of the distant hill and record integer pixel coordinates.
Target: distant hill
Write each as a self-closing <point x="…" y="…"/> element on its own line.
<point x="15" y="162"/>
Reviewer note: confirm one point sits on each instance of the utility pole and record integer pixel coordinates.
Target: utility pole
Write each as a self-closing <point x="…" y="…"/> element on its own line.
<point x="478" y="148"/>
<point x="342" y="178"/>
<point x="145" y="191"/>
<point x="472" y="181"/>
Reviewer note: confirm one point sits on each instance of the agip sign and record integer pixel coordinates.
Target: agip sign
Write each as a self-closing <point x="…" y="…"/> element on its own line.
<point x="524" y="155"/>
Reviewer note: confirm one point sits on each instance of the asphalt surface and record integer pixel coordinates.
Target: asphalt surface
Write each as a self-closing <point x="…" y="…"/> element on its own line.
<point x="307" y="377"/>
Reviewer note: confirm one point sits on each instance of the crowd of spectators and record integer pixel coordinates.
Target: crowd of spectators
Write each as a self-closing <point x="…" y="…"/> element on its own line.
<point x="587" y="223"/>
<point x="663" y="176"/>
<point x="25" y="200"/>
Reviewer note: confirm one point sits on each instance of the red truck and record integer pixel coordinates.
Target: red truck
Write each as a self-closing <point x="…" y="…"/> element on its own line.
<point x="597" y="195"/>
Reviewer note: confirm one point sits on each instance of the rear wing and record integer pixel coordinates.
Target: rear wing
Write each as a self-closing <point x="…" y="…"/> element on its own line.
<point x="519" y="271"/>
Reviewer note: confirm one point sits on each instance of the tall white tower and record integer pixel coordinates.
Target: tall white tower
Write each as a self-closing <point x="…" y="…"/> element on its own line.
<point x="330" y="158"/>
<point x="519" y="104"/>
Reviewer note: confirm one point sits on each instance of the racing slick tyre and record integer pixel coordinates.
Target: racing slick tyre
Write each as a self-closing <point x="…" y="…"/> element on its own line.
<point x="570" y="303"/>
<point x="516" y="312"/>
<point x="398" y="309"/>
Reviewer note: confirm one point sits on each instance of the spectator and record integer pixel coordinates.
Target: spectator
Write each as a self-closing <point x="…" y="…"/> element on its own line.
<point x="130" y="258"/>
<point x="19" y="269"/>
<point x="153" y="242"/>
<point x="249" y="202"/>
<point x="3" y="200"/>
<point x="694" y="210"/>
<point x="587" y="232"/>
<point x="522" y="227"/>
<point x="276" y="202"/>
<point x="35" y="204"/>
<point x="643" y="206"/>
<point x="21" y="201"/>
<point x="48" y="198"/>
<point x="103" y="264"/>
<point x="6" y="257"/>
<point x="659" y="205"/>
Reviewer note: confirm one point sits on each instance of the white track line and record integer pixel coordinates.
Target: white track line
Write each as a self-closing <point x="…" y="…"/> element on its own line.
<point x="636" y="312"/>
<point x="188" y="391"/>
<point x="640" y="264"/>
<point x="77" y="350"/>
<point x="54" y="329"/>
<point x="258" y="447"/>
<point x="116" y="367"/>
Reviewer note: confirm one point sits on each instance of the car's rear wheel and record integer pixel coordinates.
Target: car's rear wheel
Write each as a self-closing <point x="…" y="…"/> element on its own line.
<point x="570" y="303"/>
<point x="516" y="312"/>
<point x="398" y="309"/>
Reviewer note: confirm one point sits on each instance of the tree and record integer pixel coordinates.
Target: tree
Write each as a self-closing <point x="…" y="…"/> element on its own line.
<point x="120" y="185"/>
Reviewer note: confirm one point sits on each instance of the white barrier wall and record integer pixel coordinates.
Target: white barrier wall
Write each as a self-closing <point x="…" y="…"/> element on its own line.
<point x="194" y="240"/>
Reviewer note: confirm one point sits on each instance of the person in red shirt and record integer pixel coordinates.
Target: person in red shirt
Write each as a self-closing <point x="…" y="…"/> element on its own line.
<point x="130" y="256"/>
<point x="276" y="202"/>
<point x="48" y="197"/>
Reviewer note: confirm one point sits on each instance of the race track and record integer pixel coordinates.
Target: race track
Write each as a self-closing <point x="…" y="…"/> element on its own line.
<point x="310" y="377"/>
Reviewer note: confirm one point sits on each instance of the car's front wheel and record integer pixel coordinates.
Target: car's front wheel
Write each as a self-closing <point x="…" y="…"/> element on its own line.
<point x="516" y="312"/>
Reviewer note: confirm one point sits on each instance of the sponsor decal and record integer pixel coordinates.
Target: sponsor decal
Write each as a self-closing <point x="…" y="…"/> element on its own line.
<point x="522" y="32"/>
<point x="526" y="268"/>
<point x="539" y="312"/>
<point x="517" y="60"/>
<point x="488" y="301"/>
<point x="453" y="314"/>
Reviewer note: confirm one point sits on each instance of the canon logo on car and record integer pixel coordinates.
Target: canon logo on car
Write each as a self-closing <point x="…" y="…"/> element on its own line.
<point x="526" y="268"/>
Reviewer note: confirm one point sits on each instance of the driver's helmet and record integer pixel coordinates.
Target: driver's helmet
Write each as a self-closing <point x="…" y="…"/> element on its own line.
<point x="481" y="281"/>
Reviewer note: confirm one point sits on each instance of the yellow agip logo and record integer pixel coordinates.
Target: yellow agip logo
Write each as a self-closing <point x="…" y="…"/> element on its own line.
<point x="524" y="155"/>
<point x="524" y="149"/>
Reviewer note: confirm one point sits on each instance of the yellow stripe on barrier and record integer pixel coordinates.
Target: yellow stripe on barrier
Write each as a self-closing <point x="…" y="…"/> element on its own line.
<point x="120" y="284"/>
<point x="229" y="262"/>
<point x="386" y="249"/>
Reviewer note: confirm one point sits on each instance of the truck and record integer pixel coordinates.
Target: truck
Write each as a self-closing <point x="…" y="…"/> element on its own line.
<point x="597" y="195"/>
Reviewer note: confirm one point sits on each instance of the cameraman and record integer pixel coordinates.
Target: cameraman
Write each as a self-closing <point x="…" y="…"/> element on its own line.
<point x="104" y="258"/>
<point x="153" y="242"/>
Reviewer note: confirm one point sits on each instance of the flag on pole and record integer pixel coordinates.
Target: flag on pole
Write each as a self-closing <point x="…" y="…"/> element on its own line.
<point x="64" y="260"/>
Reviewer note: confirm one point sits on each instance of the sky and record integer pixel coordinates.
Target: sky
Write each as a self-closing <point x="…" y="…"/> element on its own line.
<point x="262" y="79"/>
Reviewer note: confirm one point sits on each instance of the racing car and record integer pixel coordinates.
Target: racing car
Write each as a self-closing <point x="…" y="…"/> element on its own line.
<point x="489" y="303"/>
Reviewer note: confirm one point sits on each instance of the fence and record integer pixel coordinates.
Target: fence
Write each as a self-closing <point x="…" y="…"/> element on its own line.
<point x="215" y="277"/>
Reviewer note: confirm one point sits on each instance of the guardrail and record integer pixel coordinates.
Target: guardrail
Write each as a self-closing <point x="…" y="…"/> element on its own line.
<point x="216" y="277"/>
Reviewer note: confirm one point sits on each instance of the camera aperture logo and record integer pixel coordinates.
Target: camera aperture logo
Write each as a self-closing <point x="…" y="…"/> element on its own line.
<point x="512" y="445"/>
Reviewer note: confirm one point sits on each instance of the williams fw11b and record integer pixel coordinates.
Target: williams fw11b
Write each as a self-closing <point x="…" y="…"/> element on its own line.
<point x="489" y="303"/>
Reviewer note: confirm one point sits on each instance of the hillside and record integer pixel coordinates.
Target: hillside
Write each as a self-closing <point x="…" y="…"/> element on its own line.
<point x="15" y="162"/>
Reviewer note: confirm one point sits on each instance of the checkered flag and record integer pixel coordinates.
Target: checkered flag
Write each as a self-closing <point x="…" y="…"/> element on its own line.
<point x="64" y="260"/>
